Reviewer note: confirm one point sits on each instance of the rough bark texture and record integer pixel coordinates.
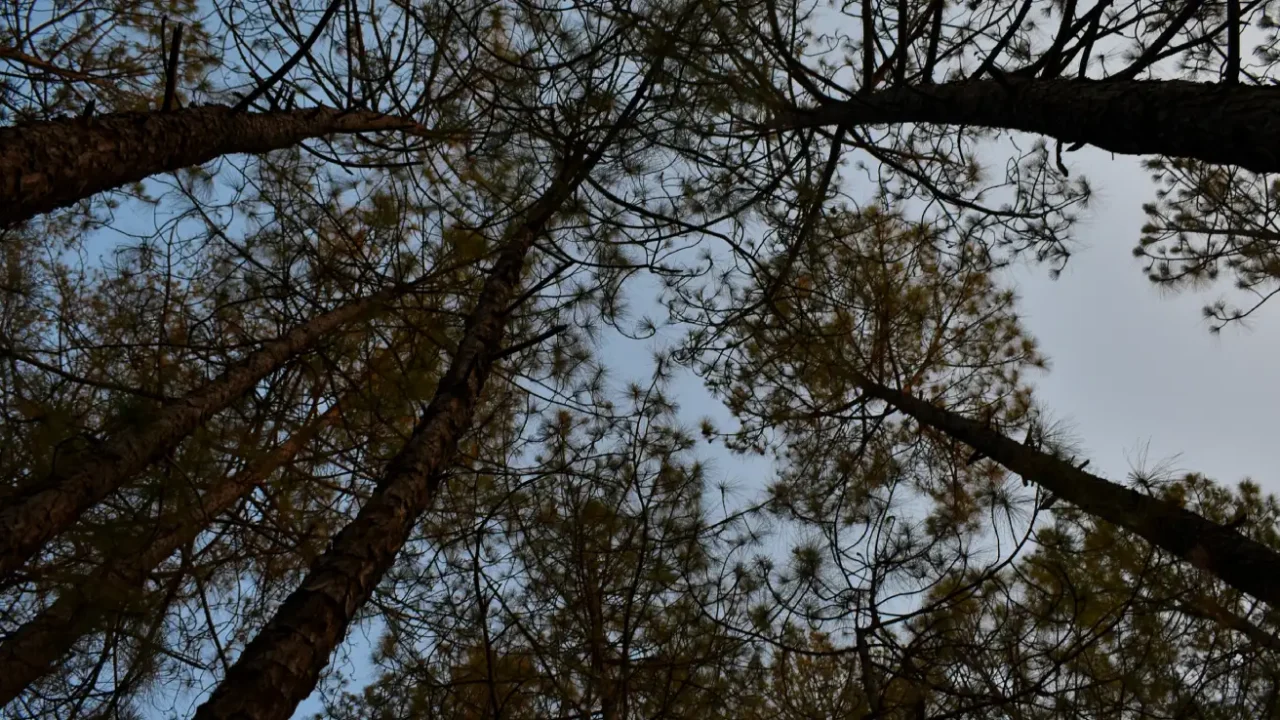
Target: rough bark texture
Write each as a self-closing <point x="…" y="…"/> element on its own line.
<point x="35" y="648"/>
<point x="1242" y="563"/>
<point x="30" y="520"/>
<point x="281" y="665"/>
<point x="48" y="165"/>
<point x="1221" y="124"/>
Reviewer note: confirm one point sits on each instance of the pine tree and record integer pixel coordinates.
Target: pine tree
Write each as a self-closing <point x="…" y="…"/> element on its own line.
<point x="452" y="469"/>
<point x="51" y="505"/>
<point x="926" y="84"/>
<point x="572" y="584"/>
<point x="281" y="666"/>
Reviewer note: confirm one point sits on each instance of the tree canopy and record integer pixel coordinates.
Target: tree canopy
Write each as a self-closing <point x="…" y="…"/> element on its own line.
<point x="319" y="321"/>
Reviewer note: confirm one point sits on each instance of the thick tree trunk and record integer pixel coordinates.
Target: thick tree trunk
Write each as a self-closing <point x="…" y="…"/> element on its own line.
<point x="1242" y="563"/>
<point x="31" y="519"/>
<point x="281" y="665"/>
<point x="48" y="165"/>
<point x="35" y="648"/>
<point x="1221" y="124"/>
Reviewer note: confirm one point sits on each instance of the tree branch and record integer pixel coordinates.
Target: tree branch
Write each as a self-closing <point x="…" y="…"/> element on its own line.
<point x="294" y="59"/>
<point x="1237" y="560"/>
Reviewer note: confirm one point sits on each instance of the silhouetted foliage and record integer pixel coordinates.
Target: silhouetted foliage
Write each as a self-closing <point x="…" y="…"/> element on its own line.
<point x="327" y="323"/>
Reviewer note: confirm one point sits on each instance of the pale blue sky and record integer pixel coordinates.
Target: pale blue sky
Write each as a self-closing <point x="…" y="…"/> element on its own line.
<point x="1132" y="367"/>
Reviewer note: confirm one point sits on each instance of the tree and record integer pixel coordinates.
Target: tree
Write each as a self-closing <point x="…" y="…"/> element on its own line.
<point x="189" y="520"/>
<point x="1161" y="79"/>
<point x="868" y="304"/>
<point x="51" y="505"/>
<point x="1094" y="622"/>
<point x="54" y="67"/>
<point x="143" y="116"/>
<point x="281" y="666"/>
<point x="523" y="543"/>
<point x="1217" y="124"/>
<point x="33" y="649"/>
<point x="52" y="164"/>
<point x="898" y="89"/>
<point x="572" y="584"/>
<point x="1214" y="547"/>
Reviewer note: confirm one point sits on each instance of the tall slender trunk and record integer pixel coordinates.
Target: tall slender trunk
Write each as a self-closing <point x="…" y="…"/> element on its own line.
<point x="48" y="165"/>
<point x="281" y="665"/>
<point x="31" y="519"/>
<point x="1221" y="124"/>
<point x="35" y="648"/>
<point x="1242" y="563"/>
<point x="601" y="683"/>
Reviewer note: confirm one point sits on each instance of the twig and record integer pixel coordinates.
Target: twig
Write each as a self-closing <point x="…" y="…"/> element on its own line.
<point x="31" y="61"/>
<point x="555" y="330"/>
<point x="539" y="286"/>
<point x="988" y="64"/>
<point x="102" y="384"/>
<point x="171" y="70"/>
<point x="294" y="59"/>
<point x="935" y="34"/>
<point x="1233" y="43"/>
<point x="1153" y="51"/>
<point x="868" y="49"/>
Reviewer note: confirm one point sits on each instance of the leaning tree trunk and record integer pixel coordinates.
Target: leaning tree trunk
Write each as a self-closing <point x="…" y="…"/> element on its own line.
<point x="281" y="665"/>
<point x="48" y="165"/>
<point x="1242" y="563"/>
<point x="1221" y="124"/>
<point x="34" y="517"/>
<point x="35" y="648"/>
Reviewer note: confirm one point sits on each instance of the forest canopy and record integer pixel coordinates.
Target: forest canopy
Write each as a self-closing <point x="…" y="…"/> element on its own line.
<point x="319" y="324"/>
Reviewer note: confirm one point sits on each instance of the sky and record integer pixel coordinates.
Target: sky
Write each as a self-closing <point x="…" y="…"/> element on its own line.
<point x="1134" y="370"/>
<point x="1136" y="367"/>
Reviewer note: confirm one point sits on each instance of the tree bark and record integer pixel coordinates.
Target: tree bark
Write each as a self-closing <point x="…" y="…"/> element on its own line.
<point x="33" y="518"/>
<point x="1221" y="124"/>
<point x="48" y="165"/>
<point x="281" y="665"/>
<point x="1240" y="562"/>
<point x="35" y="648"/>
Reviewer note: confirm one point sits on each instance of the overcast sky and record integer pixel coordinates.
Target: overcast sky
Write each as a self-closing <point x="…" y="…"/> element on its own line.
<point x="1133" y="365"/>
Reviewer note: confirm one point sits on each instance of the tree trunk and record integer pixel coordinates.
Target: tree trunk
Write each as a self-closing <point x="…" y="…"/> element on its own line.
<point x="1240" y="562"/>
<point x="35" y="648"/>
<point x="1221" y="124"/>
<point x="281" y="665"/>
<point x="48" y="165"/>
<point x="31" y="519"/>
